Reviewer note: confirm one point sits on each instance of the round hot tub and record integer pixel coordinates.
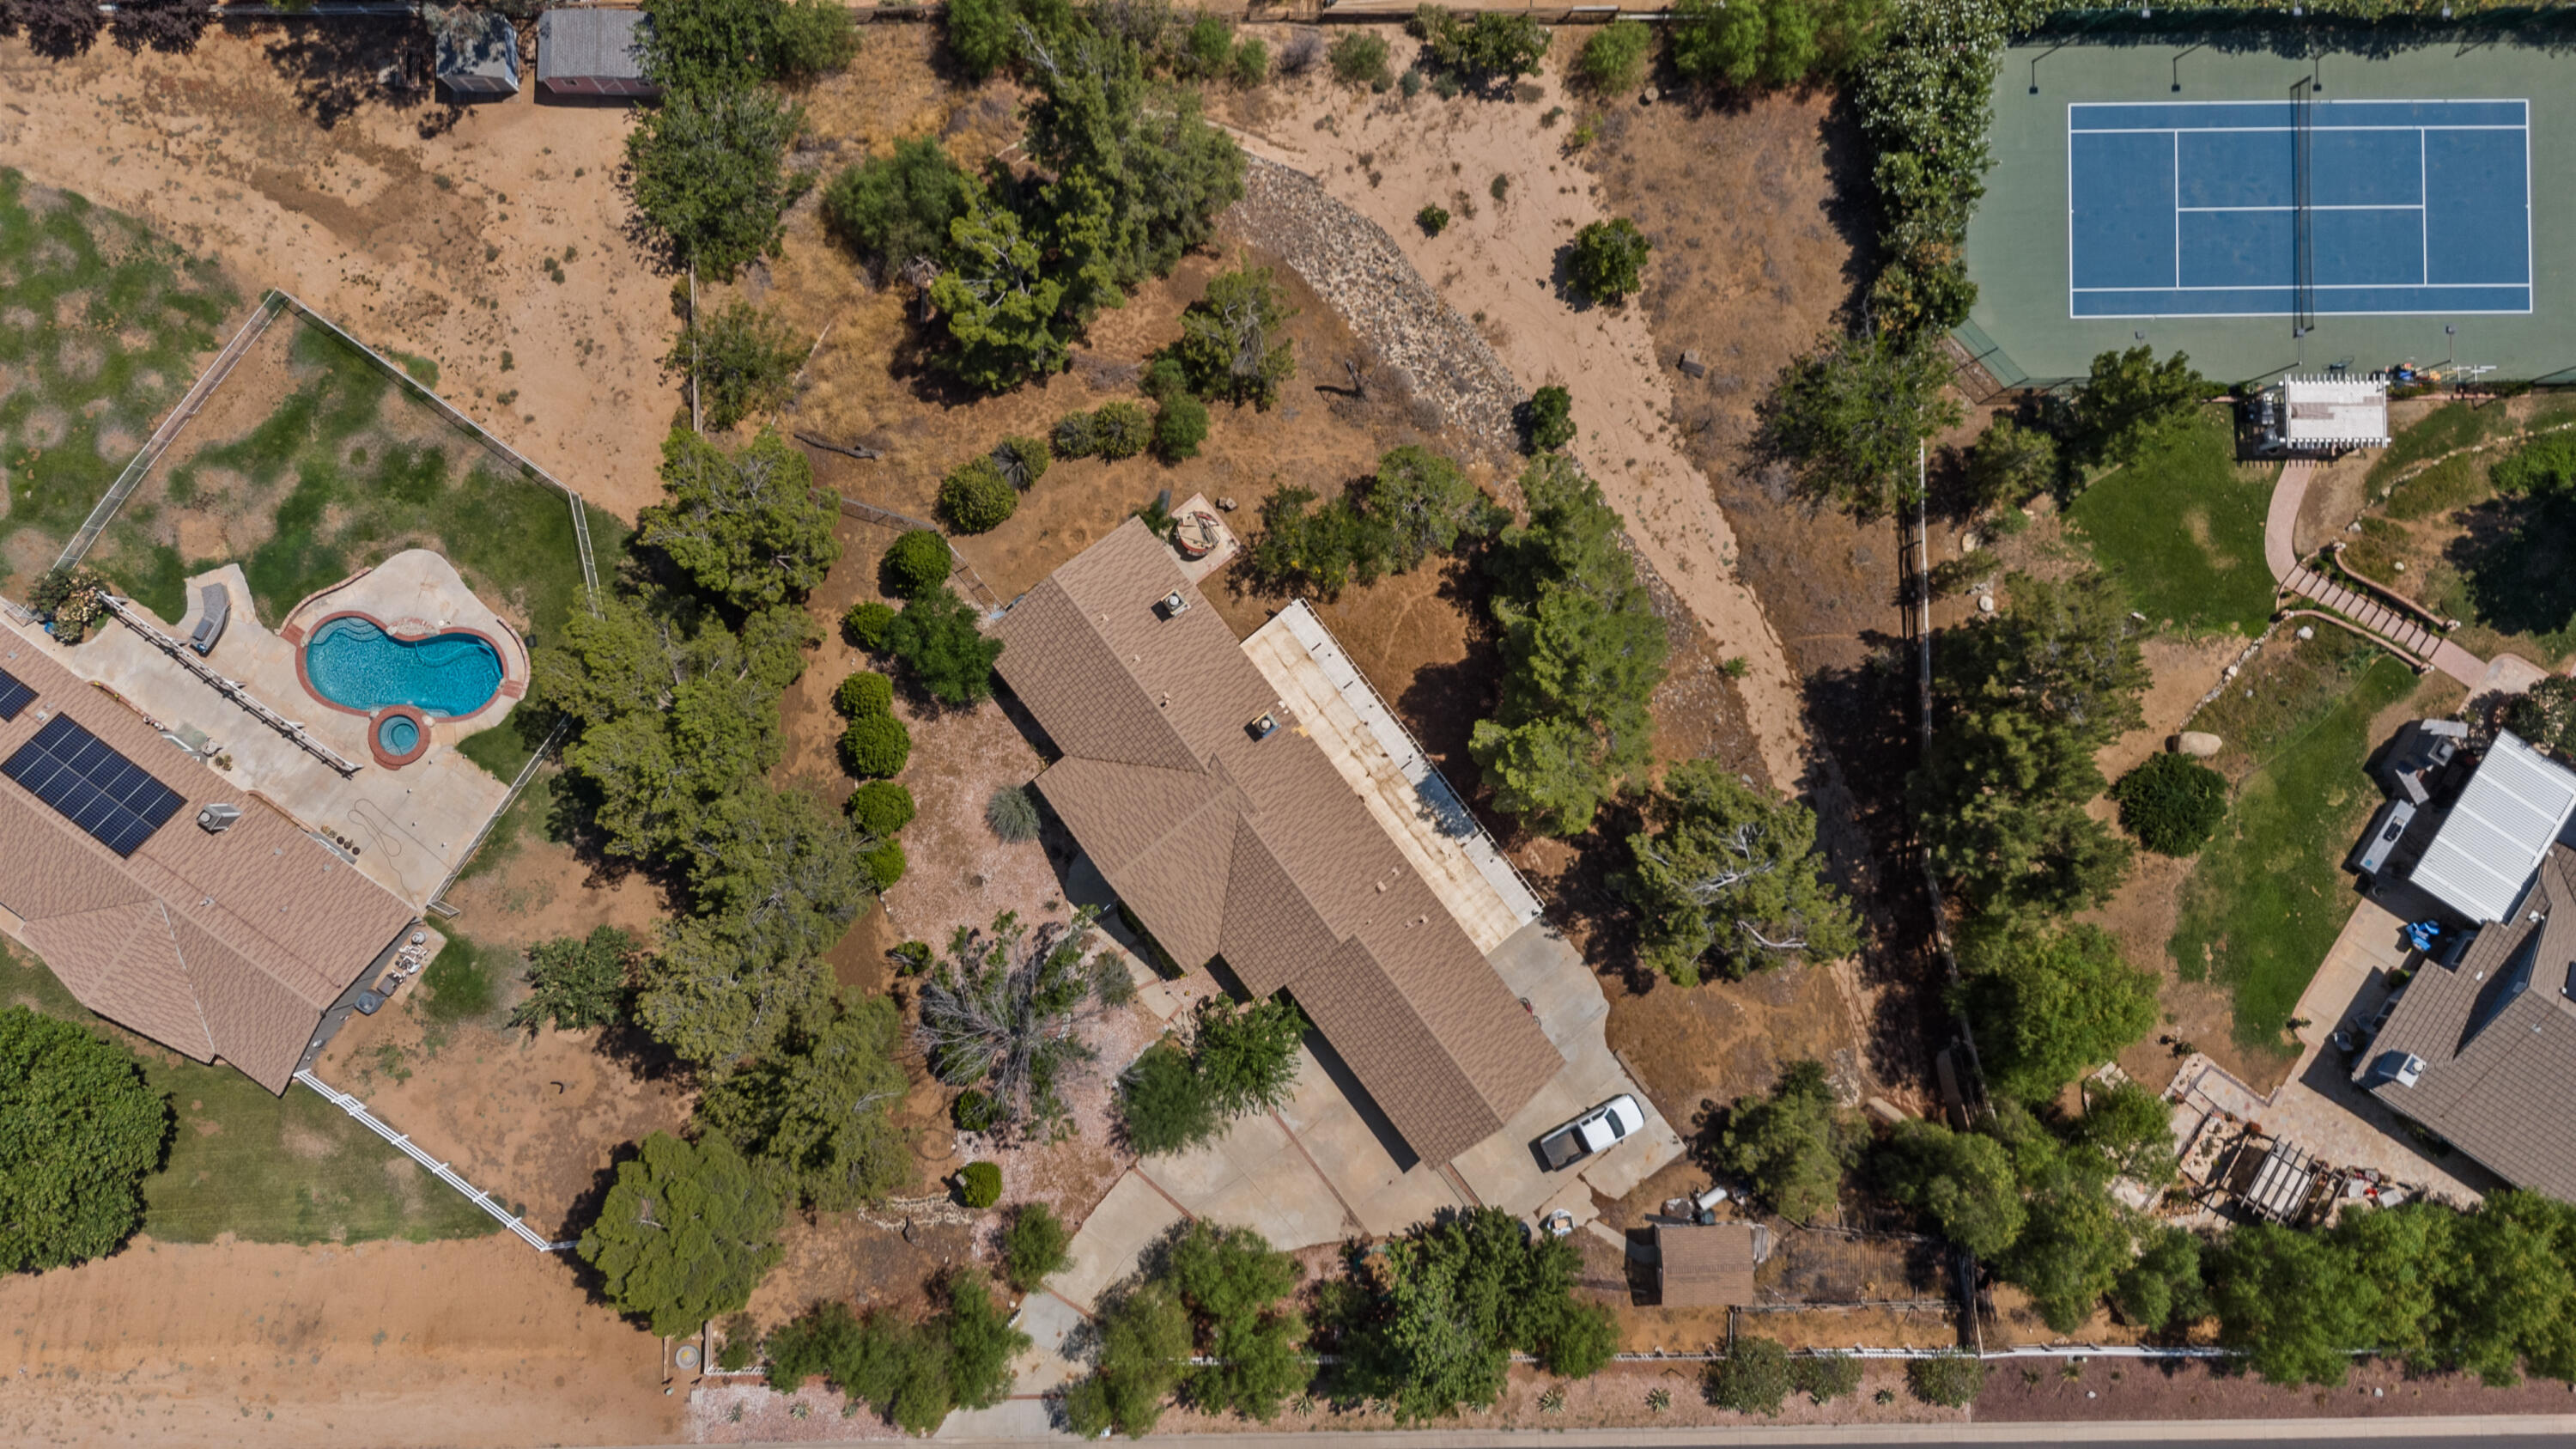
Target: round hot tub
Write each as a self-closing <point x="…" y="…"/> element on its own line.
<point x="398" y="735"/>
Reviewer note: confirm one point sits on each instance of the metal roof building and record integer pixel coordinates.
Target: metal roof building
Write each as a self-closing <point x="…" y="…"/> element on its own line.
<point x="587" y="52"/>
<point x="478" y="53"/>
<point x="2329" y="414"/>
<point x="1206" y="806"/>
<point x="2487" y="848"/>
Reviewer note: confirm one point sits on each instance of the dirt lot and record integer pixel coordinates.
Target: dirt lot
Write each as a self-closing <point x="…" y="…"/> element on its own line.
<point x="462" y="1343"/>
<point x="2048" y="1389"/>
<point x="275" y="150"/>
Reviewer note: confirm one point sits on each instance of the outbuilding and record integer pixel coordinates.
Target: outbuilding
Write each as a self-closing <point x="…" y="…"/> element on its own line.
<point x="593" y="52"/>
<point x="1708" y="1265"/>
<point x="478" y="53"/>
<point x="2324" y="414"/>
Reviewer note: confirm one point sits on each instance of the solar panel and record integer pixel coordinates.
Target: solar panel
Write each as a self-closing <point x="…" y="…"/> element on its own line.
<point x="14" y="695"/>
<point x="91" y="785"/>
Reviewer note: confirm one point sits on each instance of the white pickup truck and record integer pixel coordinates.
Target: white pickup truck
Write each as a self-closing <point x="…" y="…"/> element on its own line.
<point x="1598" y="1130"/>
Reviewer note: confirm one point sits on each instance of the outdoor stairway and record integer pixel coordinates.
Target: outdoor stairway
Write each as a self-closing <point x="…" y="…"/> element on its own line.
<point x="2397" y="627"/>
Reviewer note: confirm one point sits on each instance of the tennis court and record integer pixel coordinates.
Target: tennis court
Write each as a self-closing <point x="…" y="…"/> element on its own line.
<point x="2291" y="208"/>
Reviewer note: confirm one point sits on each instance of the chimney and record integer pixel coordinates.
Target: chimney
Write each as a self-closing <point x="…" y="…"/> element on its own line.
<point x="217" y="818"/>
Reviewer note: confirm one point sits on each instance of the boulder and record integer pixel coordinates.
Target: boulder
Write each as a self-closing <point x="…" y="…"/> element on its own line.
<point x="2197" y="744"/>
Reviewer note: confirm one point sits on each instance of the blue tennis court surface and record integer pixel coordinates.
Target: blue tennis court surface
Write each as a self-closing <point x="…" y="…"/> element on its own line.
<point x="2193" y="210"/>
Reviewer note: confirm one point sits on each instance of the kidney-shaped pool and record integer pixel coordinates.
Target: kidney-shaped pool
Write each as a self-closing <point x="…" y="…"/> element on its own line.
<point x="355" y="664"/>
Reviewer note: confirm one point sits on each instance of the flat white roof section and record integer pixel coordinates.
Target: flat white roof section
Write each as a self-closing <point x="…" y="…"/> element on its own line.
<point x="2485" y="853"/>
<point x="2334" y="412"/>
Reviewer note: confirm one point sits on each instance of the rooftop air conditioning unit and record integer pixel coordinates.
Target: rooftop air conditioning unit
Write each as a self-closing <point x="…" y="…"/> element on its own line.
<point x="217" y="818"/>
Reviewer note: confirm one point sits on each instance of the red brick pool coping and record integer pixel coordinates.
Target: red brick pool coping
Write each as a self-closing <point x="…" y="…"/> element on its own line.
<point x="376" y="734"/>
<point x="301" y="639"/>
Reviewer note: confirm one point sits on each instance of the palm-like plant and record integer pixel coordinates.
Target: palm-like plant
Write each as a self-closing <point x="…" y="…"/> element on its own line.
<point x="1005" y="1013"/>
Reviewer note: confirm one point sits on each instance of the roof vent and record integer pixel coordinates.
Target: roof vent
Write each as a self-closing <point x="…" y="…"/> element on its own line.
<point x="1173" y="605"/>
<point x="217" y="818"/>
<point x="2403" y="1068"/>
<point x="1263" y="726"/>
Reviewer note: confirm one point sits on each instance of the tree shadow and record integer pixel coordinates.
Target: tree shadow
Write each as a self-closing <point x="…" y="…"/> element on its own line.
<point x="339" y="66"/>
<point x="2517" y="562"/>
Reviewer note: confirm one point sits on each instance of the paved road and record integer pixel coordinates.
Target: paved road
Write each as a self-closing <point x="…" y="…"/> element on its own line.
<point x="2535" y="1431"/>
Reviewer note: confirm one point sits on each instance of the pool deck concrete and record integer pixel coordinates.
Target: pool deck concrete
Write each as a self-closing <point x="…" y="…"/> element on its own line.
<point x="410" y="826"/>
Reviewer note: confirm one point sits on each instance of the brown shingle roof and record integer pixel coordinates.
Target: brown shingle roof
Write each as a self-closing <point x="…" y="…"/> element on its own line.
<point x="2497" y="1035"/>
<point x="1257" y="850"/>
<point x="1705" y="1265"/>
<point x="227" y="945"/>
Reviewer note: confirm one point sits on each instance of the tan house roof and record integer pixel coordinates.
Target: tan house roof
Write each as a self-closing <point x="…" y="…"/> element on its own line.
<point x="2497" y="1038"/>
<point x="224" y="945"/>
<point x="1706" y="1265"/>
<point x="1256" y="849"/>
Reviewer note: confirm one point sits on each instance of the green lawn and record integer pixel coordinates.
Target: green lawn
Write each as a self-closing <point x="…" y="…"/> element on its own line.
<point x="2267" y="898"/>
<point x="102" y="326"/>
<point x="291" y="1169"/>
<point x="2182" y="529"/>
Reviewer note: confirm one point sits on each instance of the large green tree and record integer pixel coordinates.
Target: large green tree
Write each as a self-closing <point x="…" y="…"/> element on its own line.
<point x="1729" y="881"/>
<point x="816" y="1108"/>
<point x="782" y="860"/>
<point x="1447" y="1305"/>
<point x="724" y="987"/>
<point x="687" y="1232"/>
<point x="1792" y="1144"/>
<point x="579" y="981"/>
<point x="710" y="175"/>
<point x="1002" y="304"/>
<point x="1148" y="173"/>
<point x="2050" y="1002"/>
<point x="1963" y="1182"/>
<point x="1232" y="343"/>
<point x="1851" y="417"/>
<point x="79" y="1131"/>
<point x="940" y="646"/>
<point x="1145" y="1339"/>
<point x="2129" y="398"/>
<point x="1425" y="504"/>
<point x="747" y="525"/>
<point x="891" y="209"/>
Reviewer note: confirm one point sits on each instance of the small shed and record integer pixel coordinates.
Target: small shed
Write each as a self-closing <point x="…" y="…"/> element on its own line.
<point x="2325" y="414"/>
<point x="478" y="53"/>
<point x="1708" y="1265"/>
<point x="588" y="52"/>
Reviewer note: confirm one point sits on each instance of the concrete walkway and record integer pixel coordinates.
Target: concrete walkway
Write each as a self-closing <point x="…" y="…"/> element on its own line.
<point x="2382" y="624"/>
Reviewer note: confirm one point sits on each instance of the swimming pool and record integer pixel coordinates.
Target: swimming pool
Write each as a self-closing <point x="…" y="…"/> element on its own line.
<point x="353" y="663"/>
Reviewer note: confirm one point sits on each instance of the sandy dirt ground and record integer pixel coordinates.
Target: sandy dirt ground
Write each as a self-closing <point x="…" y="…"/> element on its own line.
<point x="1501" y="263"/>
<point x="460" y="1343"/>
<point x="273" y="150"/>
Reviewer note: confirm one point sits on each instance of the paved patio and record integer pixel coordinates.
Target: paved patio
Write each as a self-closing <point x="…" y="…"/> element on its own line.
<point x="411" y="825"/>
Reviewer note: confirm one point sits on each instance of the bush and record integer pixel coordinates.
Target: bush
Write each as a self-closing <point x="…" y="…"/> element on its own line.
<point x="1615" y="57"/>
<point x="1207" y="45"/>
<point x="865" y="625"/>
<point x="1232" y="344"/>
<point x="1163" y="1104"/>
<point x="745" y="362"/>
<point x="1074" y="436"/>
<point x="1825" y="1377"/>
<point x="875" y="746"/>
<point x="1180" y="425"/>
<point x="2545" y="465"/>
<point x="976" y="498"/>
<point x="1952" y="1380"/>
<point x="1251" y="63"/>
<point x="1358" y="58"/>
<point x="1751" y="1380"/>
<point x="885" y="863"/>
<point x="914" y="563"/>
<point x="578" y="982"/>
<point x="1120" y="430"/>
<point x="1609" y="260"/>
<point x="979" y="1184"/>
<point x="1551" y="418"/>
<point x="1022" y="461"/>
<point x="84" y="1131"/>
<point x="880" y="808"/>
<point x="2545" y="717"/>
<point x="948" y="657"/>
<point x="975" y="1111"/>
<point x="911" y="958"/>
<point x="1486" y="47"/>
<point x="864" y="693"/>
<point x="1304" y="48"/>
<point x="1012" y="814"/>
<point x="741" y="1344"/>
<point x="1432" y="219"/>
<point x="2172" y="803"/>
<point x="1034" y="1246"/>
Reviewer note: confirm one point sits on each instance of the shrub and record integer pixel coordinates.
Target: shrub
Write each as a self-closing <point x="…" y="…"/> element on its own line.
<point x="1251" y="63"/>
<point x="745" y="362"/>
<point x="1825" y="1377"/>
<point x="1180" y="425"/>
<point x="2545" y="717"/>
<point x="910" y="958"/>
<point x="578" y="982"/>
<point x="976" y="498"/>
<point x="1120" y="430"/>
<point x="1358" y="58"/>
<point x="1487" y="47"/>
<point x="1022" y="461"/>
<point x="979" y="1184"/>
<point x="875" y="746"/>
<point x="1074" y="436"/>
<point x="865" y="625"/>
<point x="2545" y="465"/>
<point x="1034" y="1246"/>
<point x="1207" y="45"/>
<point x="1609" y="260"/>
<point x="1615" y="57"/>
<point x="1551" y="419"/>
<point x="1951" y="1380"/>
<point x="1751" y="1380"/>
<point x="1163" y="1104"/>
<point x="914" y="563"/>
<point x="1012" y="814"/>
<point x="741" y="1344"/>
<point x="864" y="693"/>
<point x="1432" y="219"/>
<point x="975" y="1111"/>
<point x="2172" y="803"/>
<point x="880" y="808"/>
<point x="1232" y="345"/>
<point x="947" y="656"/>
<point x="885" y="863"/>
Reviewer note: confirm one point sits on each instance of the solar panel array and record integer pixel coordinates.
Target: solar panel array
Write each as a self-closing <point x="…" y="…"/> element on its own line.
<point x="15" y="696"/>
<point x="116" y="800"/>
